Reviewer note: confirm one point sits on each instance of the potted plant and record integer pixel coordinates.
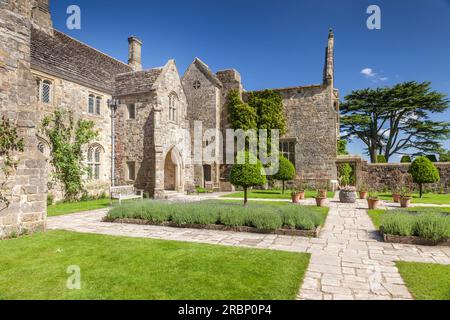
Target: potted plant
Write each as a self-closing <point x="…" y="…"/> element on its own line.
<point x="373" y="200"/>
<point x="405" y="198"/>
<point x="396" y="194"/>
<point x="321" y="199"/>
<point x="347" y="195"/>
<point x="295" y="197"/>
<point x="301" y="191"/>
<point x="363" y="192"/>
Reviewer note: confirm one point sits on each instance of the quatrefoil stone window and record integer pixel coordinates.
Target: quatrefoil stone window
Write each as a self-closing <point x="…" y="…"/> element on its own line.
<point x="197" y="85"/>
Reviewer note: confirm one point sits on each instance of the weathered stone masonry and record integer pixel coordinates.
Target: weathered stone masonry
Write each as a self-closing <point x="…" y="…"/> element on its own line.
<point x="165" y="108"/>
<point x="26" y="188"/>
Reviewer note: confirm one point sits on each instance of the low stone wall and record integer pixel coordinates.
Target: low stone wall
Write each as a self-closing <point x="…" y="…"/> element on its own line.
<point x="384" y="176"/>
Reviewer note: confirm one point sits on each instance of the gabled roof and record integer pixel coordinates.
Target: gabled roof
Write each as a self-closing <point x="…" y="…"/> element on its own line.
<point x="207" y="72"/>
<point x="137" y="82"/>
<point x="67" y="58"/>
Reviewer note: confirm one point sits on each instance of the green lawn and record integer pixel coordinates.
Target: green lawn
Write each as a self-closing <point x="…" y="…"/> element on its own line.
<point x="271" y="194"/>
<point x="429" y="198"/>
<point x="66" y="208"/>
<point x="426" y="281"/>
<point x="377" y="215"/>
<point x="34" y="267"/>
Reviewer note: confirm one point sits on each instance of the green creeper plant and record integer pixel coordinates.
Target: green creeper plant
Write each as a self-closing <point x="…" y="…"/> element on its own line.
<point x="68" y="138"/>
<point x="10" y="142"/>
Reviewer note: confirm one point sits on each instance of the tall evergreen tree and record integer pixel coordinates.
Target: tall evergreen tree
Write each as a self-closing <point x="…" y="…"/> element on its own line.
<point x="396" y="120"/>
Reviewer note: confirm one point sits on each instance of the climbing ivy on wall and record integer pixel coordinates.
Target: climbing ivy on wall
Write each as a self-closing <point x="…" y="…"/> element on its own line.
<point x="10" y="142"/>
<point x="68" y="138"/>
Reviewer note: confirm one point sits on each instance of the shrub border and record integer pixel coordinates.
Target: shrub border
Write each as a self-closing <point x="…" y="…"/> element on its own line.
<point x="389" y="238"/>
<point x="285" y="232"/>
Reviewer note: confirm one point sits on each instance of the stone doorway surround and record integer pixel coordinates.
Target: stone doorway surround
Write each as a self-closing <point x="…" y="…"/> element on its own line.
<point x="173" y="171"/>
<point x="348" y="261"/>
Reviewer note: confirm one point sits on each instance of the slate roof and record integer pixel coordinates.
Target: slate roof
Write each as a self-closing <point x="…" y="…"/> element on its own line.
<point x="69" y="59"/>
<point x="207" y="72"/>
<point x="137" y="82"/>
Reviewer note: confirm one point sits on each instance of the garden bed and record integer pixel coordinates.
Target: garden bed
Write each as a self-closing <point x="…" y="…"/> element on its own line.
<point x="285" y="232"/>
<point x="285" y="219"/>
<point x="419" y="226"/>
<point x="413" y="240"/>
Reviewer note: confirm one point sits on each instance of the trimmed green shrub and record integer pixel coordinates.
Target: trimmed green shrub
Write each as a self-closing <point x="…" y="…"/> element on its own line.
<point x="381" y="158"/>
<point x="234" y="217"/>
<point x="247" y="175"/>
<point x="399" y="224"/>
<point x="444" y="156"/>
<point x="429" y="224"/>
<point x="432" y="158"/>
<point x="424" y="171"/>
<point x="265" y="219"/>
<point x="286" y="172"/>
<point x="406" y="159"/>
<point x="432" y="226"/>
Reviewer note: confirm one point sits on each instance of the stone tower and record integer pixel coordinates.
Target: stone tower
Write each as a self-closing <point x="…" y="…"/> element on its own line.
<point x="26" y="187"/>
<point x="328" y="72"/>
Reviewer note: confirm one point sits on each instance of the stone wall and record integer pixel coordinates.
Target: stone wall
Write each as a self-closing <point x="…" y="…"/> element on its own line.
<point x="311" y="124"/>
<point x="387" y="175"/>
<point x="75" y="97"/>
<point x="150" y="139"/>
<point x="26" y="189"/>
<point x="203" y="94"/>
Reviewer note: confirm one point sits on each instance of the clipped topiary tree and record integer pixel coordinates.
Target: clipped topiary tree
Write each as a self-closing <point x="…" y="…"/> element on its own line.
<point x="286" y="171"/>
<point x="247" y="174"/>
<point x="406" y="159"/>
<point x="381" y="158"/>
<point x="424" y="171"/>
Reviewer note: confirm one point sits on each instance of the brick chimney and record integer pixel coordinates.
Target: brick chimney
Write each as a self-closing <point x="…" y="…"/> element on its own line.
<point x="135" y="53"/>
<point x="41" y="17"/>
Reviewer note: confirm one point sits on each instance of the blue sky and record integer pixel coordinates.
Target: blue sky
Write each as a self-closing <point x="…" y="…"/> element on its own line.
<point x="278" y="43"/>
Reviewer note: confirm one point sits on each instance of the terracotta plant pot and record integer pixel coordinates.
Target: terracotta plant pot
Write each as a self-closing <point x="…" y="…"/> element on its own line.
<point x="321" y="201"/>
<point x="396" y="197"/>
<point x="301" y="195"/>
<point x="405" y="202"/>
<point x="323" y="193"/>
<point x="373" y="203"/>
<point x="295" y="198"/>
<point x="363" y="195"/>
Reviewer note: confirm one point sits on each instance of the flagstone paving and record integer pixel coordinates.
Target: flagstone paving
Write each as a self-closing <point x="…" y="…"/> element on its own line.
<point x="348" y="260"/>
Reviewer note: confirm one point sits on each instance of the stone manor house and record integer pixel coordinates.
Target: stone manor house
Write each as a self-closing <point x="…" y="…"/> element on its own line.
<point x="140" y="114"/>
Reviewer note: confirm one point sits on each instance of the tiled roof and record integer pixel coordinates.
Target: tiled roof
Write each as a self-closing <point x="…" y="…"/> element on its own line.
<point x="207" y="72"/>
<point x="65" y="57"/>
<point x="136" y="82"/>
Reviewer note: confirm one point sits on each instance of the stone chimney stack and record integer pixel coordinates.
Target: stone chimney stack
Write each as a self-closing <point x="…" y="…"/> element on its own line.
<point x="41" y="17"/>
<point x="328" y="73"/>
<point x="135" y="53"/>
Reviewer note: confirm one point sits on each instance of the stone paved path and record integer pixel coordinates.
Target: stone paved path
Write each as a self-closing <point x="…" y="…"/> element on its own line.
<point x="348" y="261"/>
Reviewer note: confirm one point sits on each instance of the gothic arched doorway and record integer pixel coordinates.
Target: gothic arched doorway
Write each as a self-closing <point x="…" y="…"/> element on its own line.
<point x="172" y="171"/>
